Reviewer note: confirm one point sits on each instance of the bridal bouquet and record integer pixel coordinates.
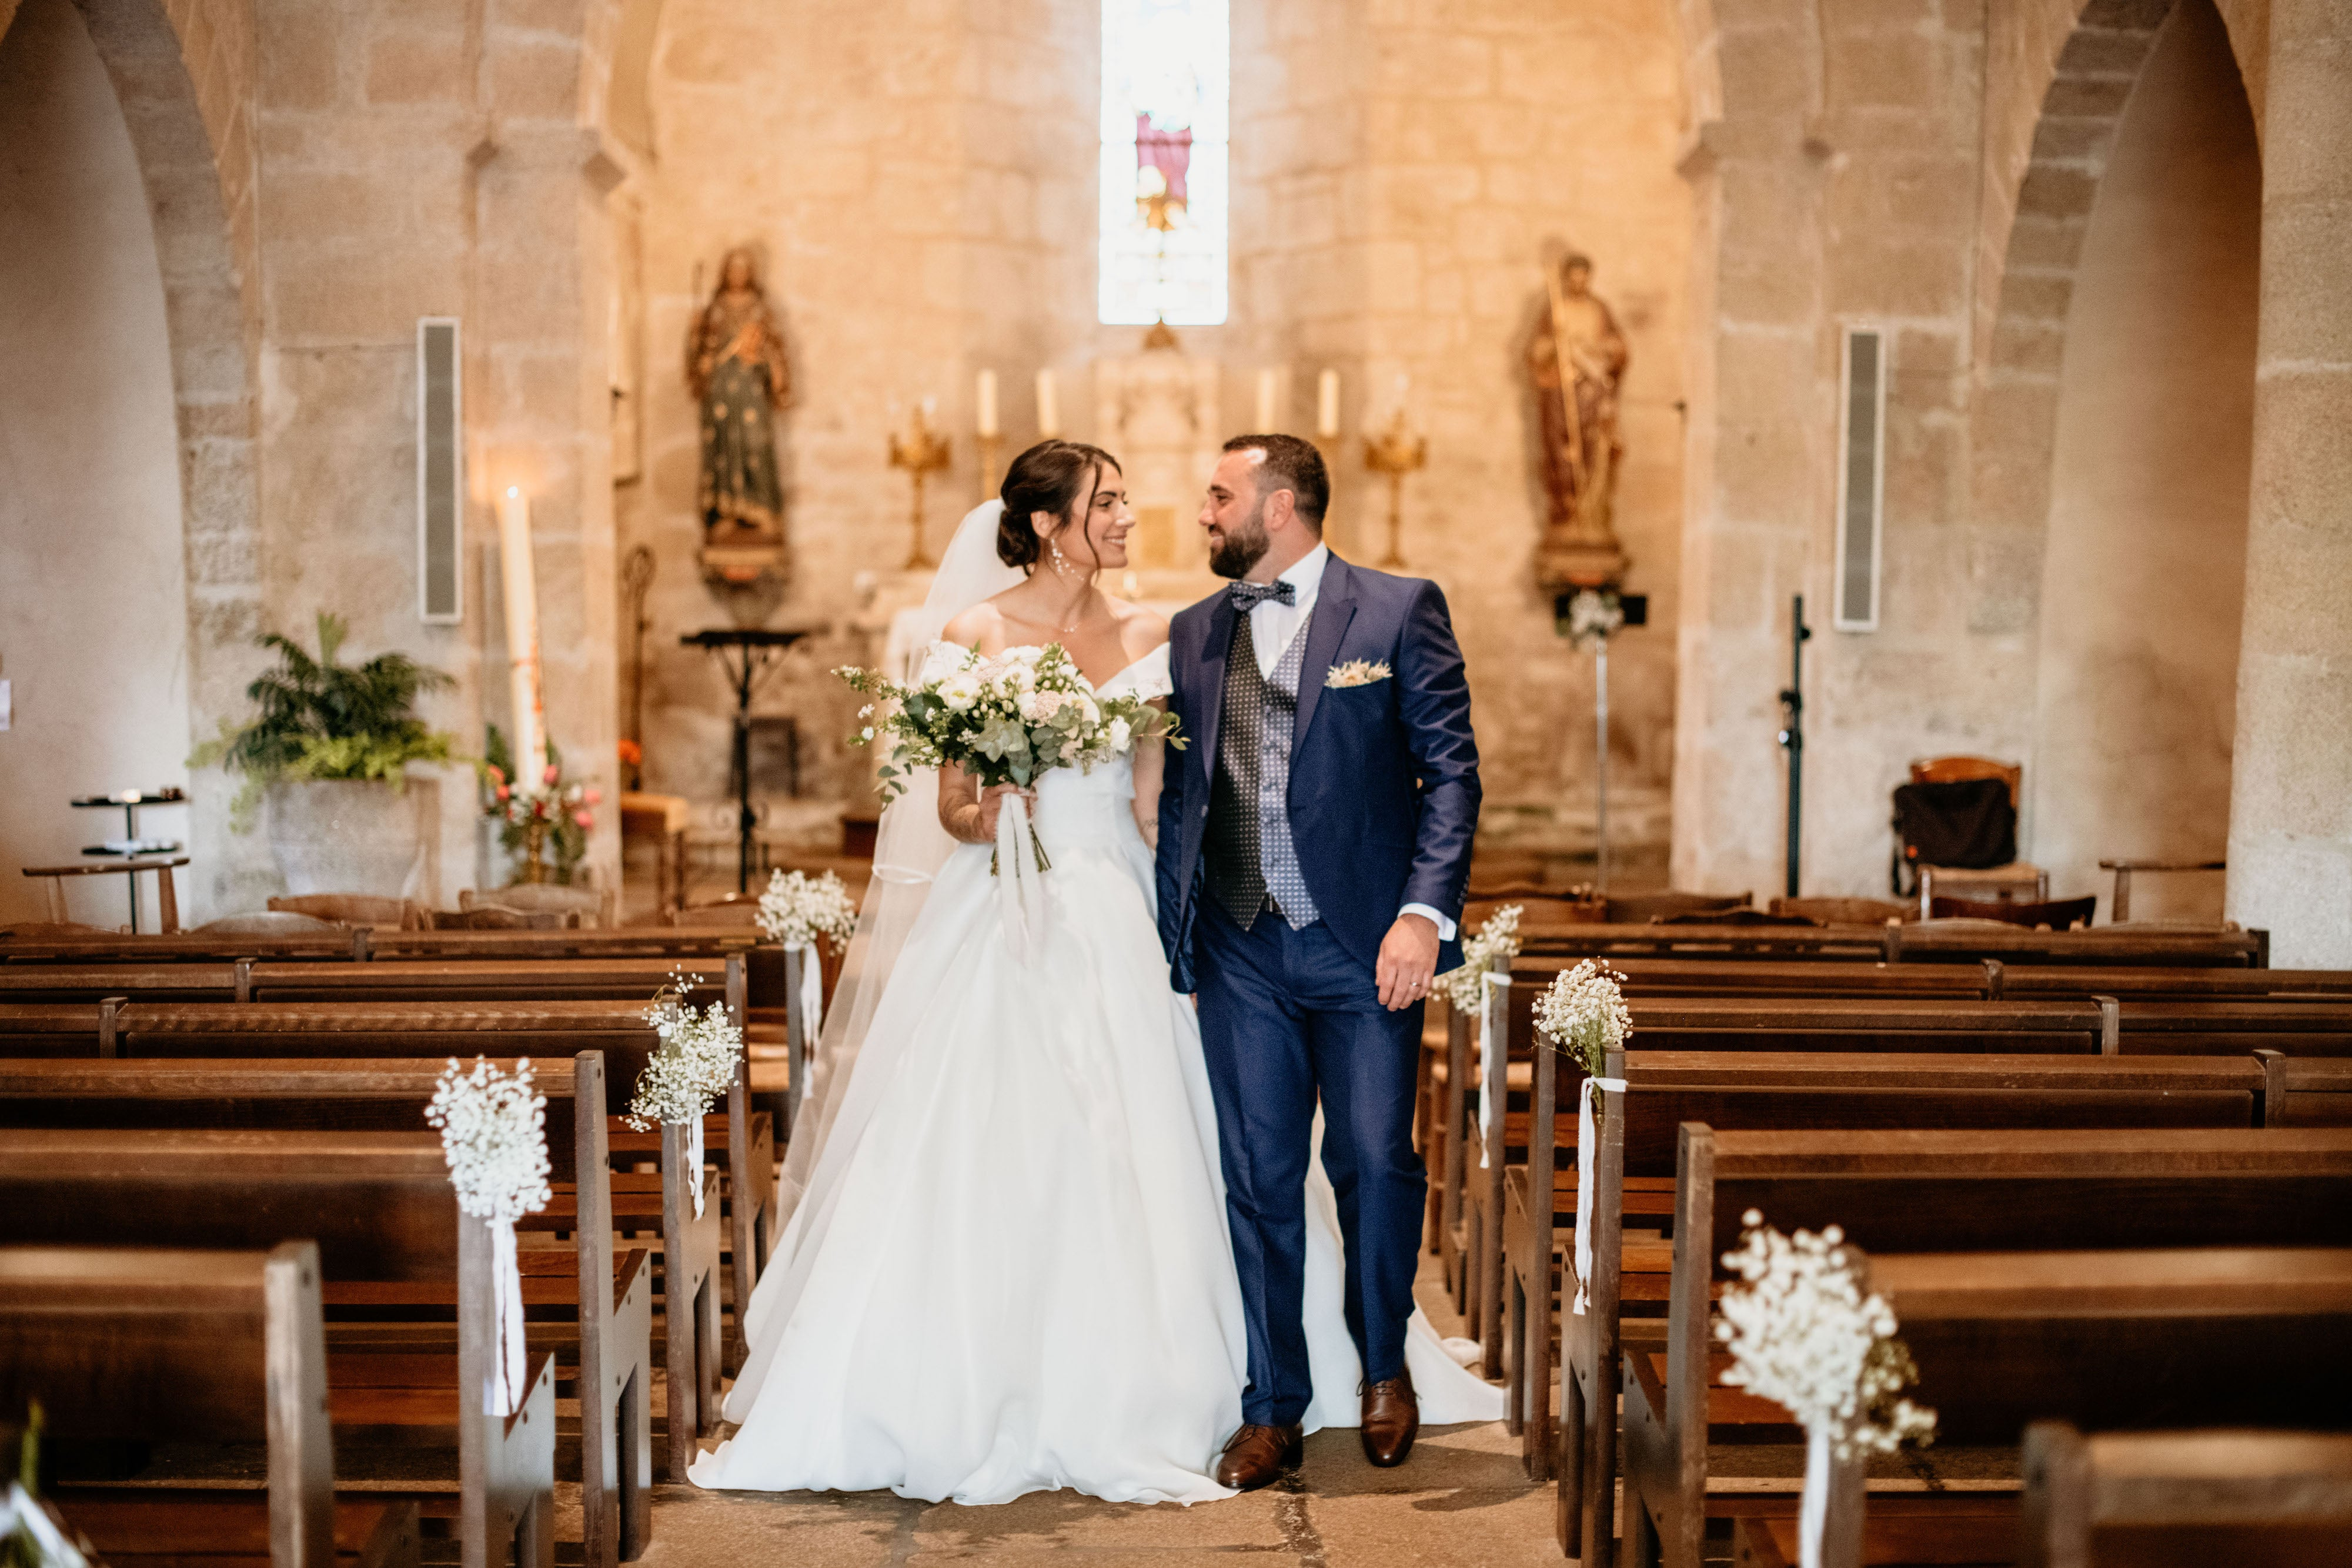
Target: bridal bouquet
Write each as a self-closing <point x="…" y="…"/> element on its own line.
<point x="1007" y="719"/>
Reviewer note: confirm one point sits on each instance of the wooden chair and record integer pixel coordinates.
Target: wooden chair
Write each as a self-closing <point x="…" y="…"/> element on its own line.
<point x="150" y="1345"/>
<point x="598" y="907"/>
<point x="358" y="909"/>
<point x="2055" y="915"/>
<point x="380" y="1208"/>
<point x="665" y="820"/>
<point x="2228" y="1499"/>
<point x="1952" y="1193"/>
<point x="1847" y="911"/>
<point x="167" y="899"/>
<point x="607" y="1343"/>
<point x="2002" y="881"/>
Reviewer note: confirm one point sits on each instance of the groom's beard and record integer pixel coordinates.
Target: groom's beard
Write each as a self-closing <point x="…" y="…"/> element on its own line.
<point x="1238" y="549"/>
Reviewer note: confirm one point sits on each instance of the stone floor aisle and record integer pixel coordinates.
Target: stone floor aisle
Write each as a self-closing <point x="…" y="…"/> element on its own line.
<point x="1462" y="1499"/>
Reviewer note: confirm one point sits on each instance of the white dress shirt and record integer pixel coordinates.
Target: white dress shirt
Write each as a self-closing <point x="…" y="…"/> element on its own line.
<point x="1273" y="625"/>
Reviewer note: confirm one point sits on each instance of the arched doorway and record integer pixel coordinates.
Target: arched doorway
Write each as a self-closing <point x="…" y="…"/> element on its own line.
<point x="93" y="604"/>
<point x="2145" y="563"/>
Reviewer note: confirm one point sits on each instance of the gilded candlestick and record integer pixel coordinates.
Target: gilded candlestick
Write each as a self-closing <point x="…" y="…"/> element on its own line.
<point x="920" y="454"/>
<point x="1395" y="452"/>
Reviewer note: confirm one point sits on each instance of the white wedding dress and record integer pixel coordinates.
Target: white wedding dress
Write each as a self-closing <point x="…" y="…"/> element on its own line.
<point x="1011" y="1272"/>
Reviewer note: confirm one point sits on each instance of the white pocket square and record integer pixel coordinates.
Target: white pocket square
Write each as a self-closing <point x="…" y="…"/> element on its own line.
<point x="1357" y="673"/>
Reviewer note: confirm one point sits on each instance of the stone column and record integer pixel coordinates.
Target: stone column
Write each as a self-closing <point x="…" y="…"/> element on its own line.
<point x="2290" y="775"/>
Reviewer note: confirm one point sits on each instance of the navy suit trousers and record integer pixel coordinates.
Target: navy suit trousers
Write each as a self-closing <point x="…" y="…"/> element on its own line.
<point x="1286" y="1017"/>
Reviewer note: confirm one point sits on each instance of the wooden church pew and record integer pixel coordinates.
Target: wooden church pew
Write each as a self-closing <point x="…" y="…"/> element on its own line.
<point x="2307" y="1091"/>
<point x="391" y="1241"/>
<point x="614" y="1328"/>
<point x="361" y="944"/>
<point x="2246" y="1338"/>
<point x="155" y="1345"/>
<point x="1949" y="1192"/>
<point x="2200" y="1499"/>
<point x="1634" y="1175"/>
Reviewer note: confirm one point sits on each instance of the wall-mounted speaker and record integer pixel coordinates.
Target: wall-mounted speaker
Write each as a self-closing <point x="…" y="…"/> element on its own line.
<point x="1861" y="477"/>
<point x="440" y="472"/>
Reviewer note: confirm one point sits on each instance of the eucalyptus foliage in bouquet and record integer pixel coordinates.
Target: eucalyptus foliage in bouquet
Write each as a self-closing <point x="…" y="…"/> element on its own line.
<point x="1007" y="719"/>
<point x="1583" y="1014"/>
<point x="1802" y="1333"/>
<point x="322" y="719"/>
<point x="797" y="908"/>
<point x="1498" y="937"/>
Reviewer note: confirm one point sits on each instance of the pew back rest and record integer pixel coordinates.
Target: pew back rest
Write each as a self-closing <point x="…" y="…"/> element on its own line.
<point x="1768" y="1091"/>
<point x="379" y="1205"/>
<point x="2134" y="1340"/>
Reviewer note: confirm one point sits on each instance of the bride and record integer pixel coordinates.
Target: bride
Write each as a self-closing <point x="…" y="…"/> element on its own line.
<point x="1007" y="1268"/>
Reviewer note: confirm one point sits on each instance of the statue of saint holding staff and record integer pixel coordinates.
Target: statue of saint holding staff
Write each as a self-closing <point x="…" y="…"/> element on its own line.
<point x="1576" y="360"/>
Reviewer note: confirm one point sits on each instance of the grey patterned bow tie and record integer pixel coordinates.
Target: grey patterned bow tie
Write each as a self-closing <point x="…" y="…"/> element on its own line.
<point x="1248" y="596"/>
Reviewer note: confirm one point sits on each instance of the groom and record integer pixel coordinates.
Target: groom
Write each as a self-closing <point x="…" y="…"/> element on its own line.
<point x="1313" y="844"/>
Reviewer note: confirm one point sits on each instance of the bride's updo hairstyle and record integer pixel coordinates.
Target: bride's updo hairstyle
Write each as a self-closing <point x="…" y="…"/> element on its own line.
<point x="1051" y="476"/>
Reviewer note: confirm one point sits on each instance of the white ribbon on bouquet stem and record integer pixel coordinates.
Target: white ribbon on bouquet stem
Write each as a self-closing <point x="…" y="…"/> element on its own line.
<point x="509" y="1357"/>
<point x="1020" y="884"/>
<point x="693" y="1172"/>
<point x="1585" y="1138"/>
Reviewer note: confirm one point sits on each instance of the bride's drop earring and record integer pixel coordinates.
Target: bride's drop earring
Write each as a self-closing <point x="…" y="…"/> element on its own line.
<point x="1061" y="561"/>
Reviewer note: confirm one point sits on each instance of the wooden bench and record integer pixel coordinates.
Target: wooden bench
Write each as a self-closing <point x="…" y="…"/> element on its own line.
<point x="390" y="1240"/>
<point x="537" y="1030"/>
<point x="2241" y="1337"/>
<point x="1924" y="942"/>
<point x="610" y="1339"/>
<point x="2185" y="1499"/>
<point x="150" y="1345"/>
<point x="2306" y="1092"/>
<point x="1954" y="1193"/>
<point x="1633" y="1176"/>
<point x="1737" y="1023"/>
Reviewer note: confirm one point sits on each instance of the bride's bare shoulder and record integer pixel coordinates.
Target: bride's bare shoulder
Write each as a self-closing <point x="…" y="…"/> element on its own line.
<point x="982" y="627"/>
<point x="1140" y="627"/>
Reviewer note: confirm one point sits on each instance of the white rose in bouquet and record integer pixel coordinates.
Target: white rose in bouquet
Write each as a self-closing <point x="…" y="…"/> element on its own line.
<point x="960" y="690"/>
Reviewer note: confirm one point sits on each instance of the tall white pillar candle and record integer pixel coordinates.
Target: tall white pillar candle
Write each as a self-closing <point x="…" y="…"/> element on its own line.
<point x="1327" y="404"/>
<point x="987" y="401"/>
<point x="1049" y="406"/>
<point x="1267" y="382"/>
<point x="522" y="636"/>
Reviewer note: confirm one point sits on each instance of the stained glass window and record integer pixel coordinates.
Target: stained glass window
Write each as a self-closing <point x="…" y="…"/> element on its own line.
<point x="1166" y="68"/>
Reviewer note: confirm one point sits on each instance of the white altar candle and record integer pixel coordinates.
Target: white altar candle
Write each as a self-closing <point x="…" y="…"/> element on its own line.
<point x="1327" y="404"/>
<point x="1267" y="381"/>
<point x="522" y="636"/>
<point x="987" y="401"/>
<point x="1049" y="406"/>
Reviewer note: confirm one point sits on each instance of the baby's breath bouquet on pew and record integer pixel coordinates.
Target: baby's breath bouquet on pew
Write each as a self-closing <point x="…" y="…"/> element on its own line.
<point x="795" y="910"/>
<point x="494" y="1139"/>
<point x="694" y="1064"/>
<point x="1803" y="1333"/>
<point x="1498" y="937"/>
<point x="1006" y="719"/>
<point x="1582" y="1014"/>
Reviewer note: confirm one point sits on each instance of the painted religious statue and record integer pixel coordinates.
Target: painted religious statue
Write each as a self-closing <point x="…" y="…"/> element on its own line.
<point x="1576" y="361"/>
<point x="737" y="367"/>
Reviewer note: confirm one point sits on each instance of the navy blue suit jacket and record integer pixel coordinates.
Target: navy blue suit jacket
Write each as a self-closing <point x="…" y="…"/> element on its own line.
<point x="1383" y="777"/>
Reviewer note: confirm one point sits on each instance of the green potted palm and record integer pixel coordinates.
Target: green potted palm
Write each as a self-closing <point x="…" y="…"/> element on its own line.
<point x="328" y="752"/>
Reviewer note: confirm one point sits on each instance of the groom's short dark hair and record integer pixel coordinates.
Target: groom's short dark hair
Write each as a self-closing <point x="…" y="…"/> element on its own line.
<point x="1293" y="465"/>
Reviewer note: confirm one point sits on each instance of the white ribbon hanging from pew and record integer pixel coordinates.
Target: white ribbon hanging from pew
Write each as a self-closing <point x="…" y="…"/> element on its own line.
<point x="1813" y="1502"/>
<point x="808" y="981"/>
<point x="1493" y="1092"/>
<point x="1585" y="1138"/>
<point x="693" y="1172"/>
<point x="507" y="1355"/>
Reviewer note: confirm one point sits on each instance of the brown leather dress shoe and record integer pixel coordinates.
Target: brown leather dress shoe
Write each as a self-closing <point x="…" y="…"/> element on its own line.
<point x="1257" y="1455"/>
<point x="1391" y="1419"/>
